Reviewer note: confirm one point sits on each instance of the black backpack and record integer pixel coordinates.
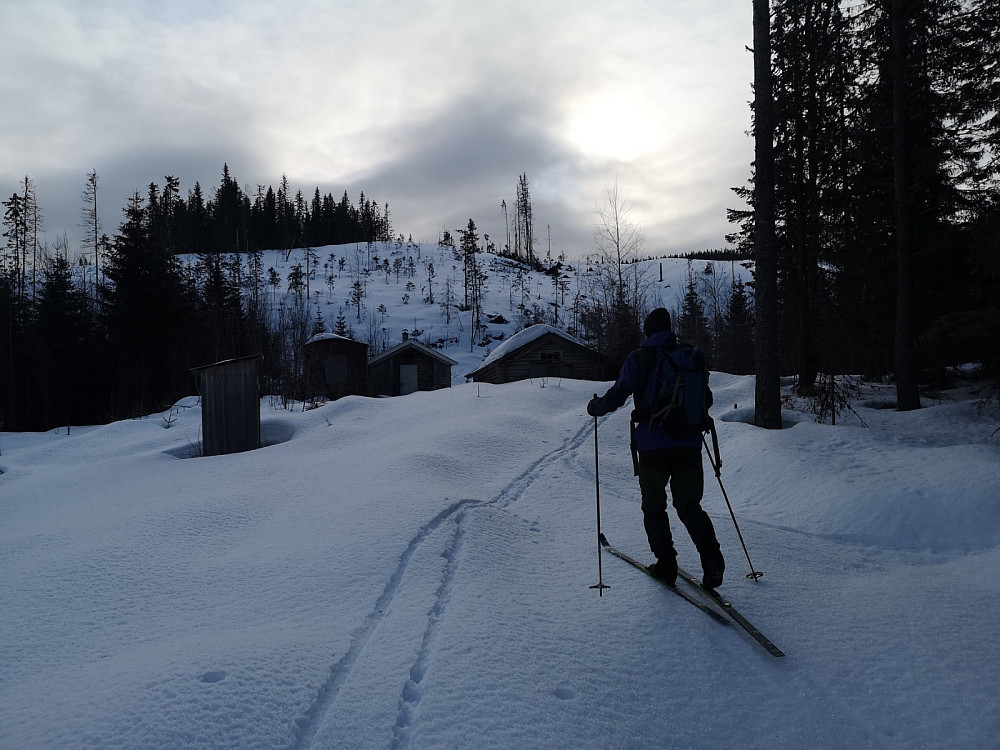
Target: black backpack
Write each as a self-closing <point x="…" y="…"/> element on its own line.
<point x="676" y="396"/>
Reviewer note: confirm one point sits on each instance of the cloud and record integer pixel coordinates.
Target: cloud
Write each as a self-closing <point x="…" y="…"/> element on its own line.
<point x="433" y="106"/>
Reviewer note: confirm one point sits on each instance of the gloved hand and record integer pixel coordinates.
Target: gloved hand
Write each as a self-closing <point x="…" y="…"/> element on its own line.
<point x="594" y="408"/>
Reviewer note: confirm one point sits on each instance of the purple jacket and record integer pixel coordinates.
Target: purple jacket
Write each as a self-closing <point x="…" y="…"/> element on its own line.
<point x="631" y="381"/>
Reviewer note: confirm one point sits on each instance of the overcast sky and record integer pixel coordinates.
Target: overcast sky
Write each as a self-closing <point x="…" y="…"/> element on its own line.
<point x="434" y="106"/>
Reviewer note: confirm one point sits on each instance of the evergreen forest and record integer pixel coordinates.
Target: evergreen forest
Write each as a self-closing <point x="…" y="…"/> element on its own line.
<point x="112" y="332"/>
<point x="881" y="210"/>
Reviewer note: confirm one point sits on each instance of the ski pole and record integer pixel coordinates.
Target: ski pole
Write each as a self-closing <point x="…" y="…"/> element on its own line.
<point x="600" y="585"/>
<point x="715" y="444"/>
<point x="717" y="466"/>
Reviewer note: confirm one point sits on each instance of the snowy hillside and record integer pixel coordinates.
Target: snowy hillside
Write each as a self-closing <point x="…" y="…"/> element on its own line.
<point x="415" y="572"/>
<point x="416" y="281"/>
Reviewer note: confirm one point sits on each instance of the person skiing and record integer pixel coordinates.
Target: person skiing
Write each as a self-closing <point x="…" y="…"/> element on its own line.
<point x="661" y="458"/>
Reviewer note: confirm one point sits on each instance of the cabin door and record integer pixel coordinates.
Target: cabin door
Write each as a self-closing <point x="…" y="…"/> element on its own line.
<point x="407" y="379"/>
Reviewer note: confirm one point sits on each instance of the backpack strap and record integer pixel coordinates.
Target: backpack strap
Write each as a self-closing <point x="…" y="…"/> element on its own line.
<point x="643" y="412"/>
<point x="640" y="411"/>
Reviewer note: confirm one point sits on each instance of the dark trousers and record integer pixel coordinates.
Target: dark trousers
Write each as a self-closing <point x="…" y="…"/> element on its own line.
<point x="681" y="468"/>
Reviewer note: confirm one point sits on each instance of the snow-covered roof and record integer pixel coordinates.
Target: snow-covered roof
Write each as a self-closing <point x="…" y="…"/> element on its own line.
<point x="523" y="338"/>
<point x="327" y="337"/>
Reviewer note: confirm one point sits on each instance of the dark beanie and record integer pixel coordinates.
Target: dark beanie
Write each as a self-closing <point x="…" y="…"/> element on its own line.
<point x="656" y="321"/>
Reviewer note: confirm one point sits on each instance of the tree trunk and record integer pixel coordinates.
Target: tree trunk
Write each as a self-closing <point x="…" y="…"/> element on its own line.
<point x="767" y="412"/>
<point x="907" y="393"/>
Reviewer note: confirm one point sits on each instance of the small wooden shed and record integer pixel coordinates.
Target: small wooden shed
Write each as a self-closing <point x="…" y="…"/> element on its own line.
<point x="336" y="366"/>
<point x="407" y="367"/>
<point x="230" y="405"/>
<point x="539" y="351"/>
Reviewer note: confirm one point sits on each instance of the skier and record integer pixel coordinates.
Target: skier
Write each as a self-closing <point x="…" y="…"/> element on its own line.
<point x="661" y="458"/>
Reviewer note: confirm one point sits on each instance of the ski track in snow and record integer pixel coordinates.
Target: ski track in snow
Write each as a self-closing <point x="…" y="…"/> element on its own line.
<point x="311" y="722"/>
<point x="310" y="725"/>
<point x="513" y="491"/>
<point x="412" y="691"/>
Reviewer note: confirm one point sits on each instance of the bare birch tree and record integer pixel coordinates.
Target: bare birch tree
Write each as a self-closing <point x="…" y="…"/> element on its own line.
<point x="620" y="288"/>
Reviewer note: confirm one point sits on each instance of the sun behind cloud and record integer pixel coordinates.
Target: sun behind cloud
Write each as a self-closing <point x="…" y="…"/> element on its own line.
<point x="611" y="126"/>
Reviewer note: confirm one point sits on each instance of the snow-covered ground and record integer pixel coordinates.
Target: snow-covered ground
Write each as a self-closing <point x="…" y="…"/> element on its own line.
<point x="415" y="572"/>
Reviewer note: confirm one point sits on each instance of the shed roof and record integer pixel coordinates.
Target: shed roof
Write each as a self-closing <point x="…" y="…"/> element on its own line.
<point x="226" y="362"/>
<point x="411" y="344"/>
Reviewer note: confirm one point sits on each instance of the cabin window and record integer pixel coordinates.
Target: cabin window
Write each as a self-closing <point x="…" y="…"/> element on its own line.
<point x="548" y="357"/>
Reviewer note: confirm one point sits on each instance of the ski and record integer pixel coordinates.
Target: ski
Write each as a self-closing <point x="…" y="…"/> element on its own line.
<point x="718" y="617"/>
<point x="730" y="610"/>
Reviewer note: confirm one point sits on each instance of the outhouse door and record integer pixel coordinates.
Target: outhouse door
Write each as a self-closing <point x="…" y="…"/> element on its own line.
<point x="407" y="379"/>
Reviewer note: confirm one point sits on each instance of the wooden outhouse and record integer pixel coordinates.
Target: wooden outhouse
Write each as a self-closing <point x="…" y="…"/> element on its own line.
<point x="407" y="367"/>
<point x="230" y="405"/>
<point x="336" y="366"/>
<point x="539" y="351"/>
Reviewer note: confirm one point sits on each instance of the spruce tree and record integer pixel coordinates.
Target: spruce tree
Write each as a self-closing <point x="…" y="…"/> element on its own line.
<point x="525" y="221"/>
<point x="917" y="96"/>
<point x="692" y="325"/>
<point x="736" y="349"/>
<point x="15" y="232"/>
<point x="340" y="326"/>
<point x="811" y="74"/>
<point x="66" y="349"/>
<point x="468" y="247"/>
<point x="147" y="309"/>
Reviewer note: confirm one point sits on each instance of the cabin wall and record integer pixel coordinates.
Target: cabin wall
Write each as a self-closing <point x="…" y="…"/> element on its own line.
<point x="546" y="357"/>
<point x="336" y="369"/>
<point x="431" y="373"/>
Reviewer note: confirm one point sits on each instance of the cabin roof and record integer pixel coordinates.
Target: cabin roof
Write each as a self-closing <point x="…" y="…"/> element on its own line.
<point x="520" y="340"/>
<point x="411" y="344"/>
